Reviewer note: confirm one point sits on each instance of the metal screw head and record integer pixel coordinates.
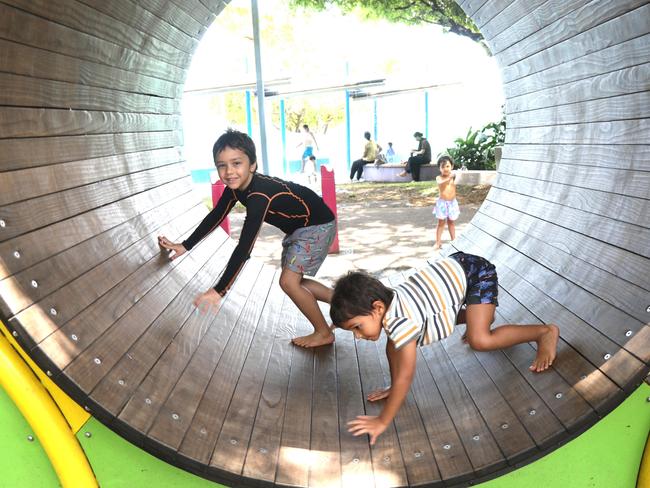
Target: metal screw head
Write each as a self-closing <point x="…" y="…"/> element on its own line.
<point x="17" y="254"/>
<point x="3" y="224"/>
<point x="175" y="416"/>
<point x="628" y="333"/>
<point x="263" y="450"/>
<point x="120" y="382"/>
<point x="34" y="284"/>
<point x="14" y="333"/>
<point x="558" y="395"/>
<point x="30" y="438"/>
<point x="49" y="373"/>
<point x="233" y="442"/>
<point x="446" y="447"/>
<point x="203" y="431"/>
<point x="147" y="401"/>
<point x="97" y="361"/>
<point x="387" y="459"/>
<point x="53" y="312"/>
<point x="74" y="337"/>
<point x="647" y="399"/>
<point x="86" y="408"/>
<point x="647" y="309"/>
<point x="532" y="412"/>
<point x="476" y="437"/>
<point x="583" y="377"/>
<point x="355" y="460"/>
<point x="417" y="454"/>
<point x="88" y="434"/>
<point x="504" y="426"/>
<point x="607" y="356"/>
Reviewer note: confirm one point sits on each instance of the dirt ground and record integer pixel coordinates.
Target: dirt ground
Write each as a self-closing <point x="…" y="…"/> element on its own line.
<point x="383" y="228"/>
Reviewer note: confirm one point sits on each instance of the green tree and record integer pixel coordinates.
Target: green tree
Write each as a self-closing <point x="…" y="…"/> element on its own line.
<point x="445" y="13"/>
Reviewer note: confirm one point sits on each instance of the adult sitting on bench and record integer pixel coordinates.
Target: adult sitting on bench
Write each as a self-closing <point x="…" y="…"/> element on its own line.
<point x="369" y="156"/>
<point x="419" y="156"/>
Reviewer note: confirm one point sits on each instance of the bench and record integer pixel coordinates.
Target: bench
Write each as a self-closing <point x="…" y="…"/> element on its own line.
<point x="389" y="172"/>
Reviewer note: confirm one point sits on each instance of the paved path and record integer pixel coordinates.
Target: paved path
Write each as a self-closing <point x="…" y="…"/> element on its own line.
<point x="379" y="240"/>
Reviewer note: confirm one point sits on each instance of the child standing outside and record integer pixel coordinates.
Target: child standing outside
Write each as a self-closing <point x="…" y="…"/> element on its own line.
<point x="446" y="209"/>
<point x="423" y="309"/>
<point x="308" y="142"/>
<point x="308" y="223"/>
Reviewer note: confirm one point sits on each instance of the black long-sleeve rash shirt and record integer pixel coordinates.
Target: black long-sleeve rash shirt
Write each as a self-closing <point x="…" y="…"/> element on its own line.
<point x="283" y="204"/>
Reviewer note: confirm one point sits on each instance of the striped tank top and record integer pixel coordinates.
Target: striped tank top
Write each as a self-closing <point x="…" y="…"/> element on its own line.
<point x="425" y="306"/>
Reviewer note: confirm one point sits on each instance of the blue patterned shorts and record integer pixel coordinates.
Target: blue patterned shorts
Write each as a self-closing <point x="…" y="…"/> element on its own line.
<point x="304" y="250"/>
<point x="482" y="282"/>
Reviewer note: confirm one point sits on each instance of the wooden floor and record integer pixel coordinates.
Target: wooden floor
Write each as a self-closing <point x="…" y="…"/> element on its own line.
<point x="92" y="171"/>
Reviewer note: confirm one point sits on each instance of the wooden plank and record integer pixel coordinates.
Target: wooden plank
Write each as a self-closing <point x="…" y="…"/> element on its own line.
<point x="20" y="185"/>
<point x="214" y="6"/>
<point x="625" y="210"/>
<point x="292" y="467"/>
<point x="325" y="463"/>
<point x="29" y="153"/>
<point x="620" y="82"/>
<point x="43" y="243"/>
<point x="86" y="20"/>
<point x="618" y="302"/>
<point x="39" y="63"/>
<point x="488" y="11"/>
<point x="264" y="447"/>
<point x="144" y="21"/>
<point x="602" y="24"/>
<point x="517" y="11"/>
<point x="25" y="91"/>
<point x="240" y="417"/>
<point x="570" y="371"/>
<point x="471" y="6"/>
<point x="630" y="183"/>
<point x="615" y="132"/>
<point x="197" y="10"/>
<point x="177" y="16"/>
<point x="66" y="266"/>
<point x="84" y="319"/>
<point x="178" y="323"/>
<point x="623" y="157"/>
<point x="31" y="30"/>
<point x="622" y="263"/>
<point x="94" y="362"/>
<point x="217" y="396"/>
<point x="31" y="214"/>
<point x="617" y="108"/>
<point x="620" y="56"/>
<point x="480" y="445"/>
<point x="547" y="295"/>
<point x="509" y="433"/>
<point x="356" y="464"/>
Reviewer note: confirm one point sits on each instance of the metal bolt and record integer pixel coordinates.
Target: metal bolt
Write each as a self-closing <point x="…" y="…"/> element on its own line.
<point x="49" y="373"/>
<point x="504" y="426"/>
<point x="203" y="431"/>
<point x="97" y="361"/>
<point x="607" y="356"/>
<point x="233" y="442"/>
<point x="446" y="447"/>
<point x="120" y="382"/>
<point x="583" y="377"/>
<point x="532" y="412"/>
<point x="417" y="454"/>
<point x="30" y="438"/>
<point x="647" y="309"/>
<point x="628" y="333"/>
<point x="14" y="333"/>
<point x="3" y="224"/>
<point x="74" y="337"/>
<point x="88" y="434"/>
<point x="476" y="437"/>
<point x="34" y="284"/>
<point x="647" y="399"/>
<point x="17" y="254"/>
<point x="86" y="408"/>
<point x="558" y="395"/>
<point x="355" y="460"/>
<point x="387" y="459"/>
<point x="53" y="312"/>
<point x="147" y="401"/>
<point x="263" y="450"/>
<point x="175" y="416"/>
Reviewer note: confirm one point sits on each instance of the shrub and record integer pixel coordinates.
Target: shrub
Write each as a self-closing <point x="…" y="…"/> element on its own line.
<point x="476" y="149"/>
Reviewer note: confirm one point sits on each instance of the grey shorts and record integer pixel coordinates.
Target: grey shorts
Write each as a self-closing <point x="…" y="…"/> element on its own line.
<point x="306" y="248"/>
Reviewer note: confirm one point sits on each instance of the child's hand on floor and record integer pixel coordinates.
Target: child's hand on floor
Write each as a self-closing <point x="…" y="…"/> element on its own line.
<point x="177" y="249"/>
<point x="208" y="301"/>
<point x="379" y="394"/>
<point x="366" y="424"/>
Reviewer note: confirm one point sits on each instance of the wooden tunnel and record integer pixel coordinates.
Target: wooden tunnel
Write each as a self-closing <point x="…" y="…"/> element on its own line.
<point x="92" y="171"/>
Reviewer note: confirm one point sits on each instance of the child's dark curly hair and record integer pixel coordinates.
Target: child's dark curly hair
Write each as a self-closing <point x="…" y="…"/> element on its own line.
<point x="445" y="159"/>
<point x="235" y="140"/>
<point x="354" y="295"/>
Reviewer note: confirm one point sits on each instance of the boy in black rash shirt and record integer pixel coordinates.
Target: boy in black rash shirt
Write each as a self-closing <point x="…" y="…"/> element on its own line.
<point x="308" y="223"/>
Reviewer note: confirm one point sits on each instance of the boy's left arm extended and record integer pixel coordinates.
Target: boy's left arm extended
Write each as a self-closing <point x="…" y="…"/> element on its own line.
<point x="402" y="365"/>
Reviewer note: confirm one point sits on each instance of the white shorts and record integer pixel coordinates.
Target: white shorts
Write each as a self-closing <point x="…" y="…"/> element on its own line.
<point x="446" y="209"/>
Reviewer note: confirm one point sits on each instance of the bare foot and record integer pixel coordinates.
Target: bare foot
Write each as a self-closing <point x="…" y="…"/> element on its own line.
<point x="437" y="247"/>
<point x="402" y="174"/>
<point x="314" y="339"/>
<point x="546" y="349"/>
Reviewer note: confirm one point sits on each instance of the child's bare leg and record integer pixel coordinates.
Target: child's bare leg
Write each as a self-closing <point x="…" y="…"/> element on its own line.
<point x="451" y="225"/>
<point x="321" y="292"/>
<point x="439" y="229"/>
<point x="480" y="337"/>
<point x="305" y="300"/>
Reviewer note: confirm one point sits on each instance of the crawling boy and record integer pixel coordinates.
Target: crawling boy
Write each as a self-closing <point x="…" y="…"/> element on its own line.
<point x="423" y="309"/>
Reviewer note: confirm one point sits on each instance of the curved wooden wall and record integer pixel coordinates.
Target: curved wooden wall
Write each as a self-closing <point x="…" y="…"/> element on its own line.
<point x="91" y="171"/>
